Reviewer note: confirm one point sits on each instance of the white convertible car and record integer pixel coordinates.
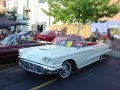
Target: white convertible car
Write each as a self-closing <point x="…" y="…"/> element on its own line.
<point x="66" y="53"/>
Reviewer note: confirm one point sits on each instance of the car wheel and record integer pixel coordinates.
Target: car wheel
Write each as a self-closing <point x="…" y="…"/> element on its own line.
<point x="66" y="70"/>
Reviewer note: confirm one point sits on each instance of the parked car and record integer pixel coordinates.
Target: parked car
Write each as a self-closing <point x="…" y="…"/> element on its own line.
<point x="11" y="44"/>
<point x="47" y="35"/>
<point x="27" y="33"/>
<point x="4" y="33"/>
<point x="66" y="54"/>
<point x="116" y="36"/>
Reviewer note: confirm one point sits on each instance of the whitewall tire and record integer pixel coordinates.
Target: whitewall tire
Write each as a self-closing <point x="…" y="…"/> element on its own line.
<point x="66" y="70"/>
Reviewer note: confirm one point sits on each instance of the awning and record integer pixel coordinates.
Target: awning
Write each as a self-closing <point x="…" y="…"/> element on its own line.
<point x="5" y="23"/>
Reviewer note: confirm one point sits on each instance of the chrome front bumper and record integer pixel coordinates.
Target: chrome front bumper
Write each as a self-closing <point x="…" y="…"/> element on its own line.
<point x="38" y="68"/>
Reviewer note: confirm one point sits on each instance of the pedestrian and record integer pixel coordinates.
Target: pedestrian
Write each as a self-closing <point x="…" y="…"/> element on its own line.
<point x="108" y="34"/>
<point x="97" y="33"/>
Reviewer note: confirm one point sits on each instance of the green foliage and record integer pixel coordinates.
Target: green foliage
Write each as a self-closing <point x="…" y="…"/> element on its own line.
<point x="80" y="11"/>
<point x="11" y="15"/>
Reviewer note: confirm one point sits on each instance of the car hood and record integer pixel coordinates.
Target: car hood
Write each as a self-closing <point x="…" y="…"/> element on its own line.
<point x="42" y="35"/>
<point x="51" y="51"/>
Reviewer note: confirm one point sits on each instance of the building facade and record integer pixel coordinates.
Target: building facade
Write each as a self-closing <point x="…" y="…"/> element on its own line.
<point x="2" y="6"/>
<point x="11" y="5"/>
<point x="111" y="23"/>
<point x="30" y="12"/>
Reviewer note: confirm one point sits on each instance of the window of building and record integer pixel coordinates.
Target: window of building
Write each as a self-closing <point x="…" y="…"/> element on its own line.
<point x="26" y="10"/>
<point x="41" y="1"/>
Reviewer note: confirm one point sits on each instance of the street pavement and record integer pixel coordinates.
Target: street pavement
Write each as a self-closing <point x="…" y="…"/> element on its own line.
<point x="103" y="75"/>
<point x="115" y="53"/>
<point x="115" y="44"/>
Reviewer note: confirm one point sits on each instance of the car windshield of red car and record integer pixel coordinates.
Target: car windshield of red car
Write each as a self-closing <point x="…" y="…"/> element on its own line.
<point x="45" y="32"/>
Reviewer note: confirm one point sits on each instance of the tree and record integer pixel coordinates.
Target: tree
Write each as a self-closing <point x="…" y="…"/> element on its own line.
<point x="11" y="15"/>
<point x="80" y="12"/>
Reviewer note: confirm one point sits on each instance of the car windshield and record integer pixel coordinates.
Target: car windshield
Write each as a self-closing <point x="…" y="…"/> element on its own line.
<point x="7" y="39"/>
<point x="45" y="32"/>
<point x="69" y="41"/>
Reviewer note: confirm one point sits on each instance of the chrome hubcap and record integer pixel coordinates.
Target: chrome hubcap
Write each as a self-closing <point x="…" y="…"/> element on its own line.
<point x="66" y="70"/>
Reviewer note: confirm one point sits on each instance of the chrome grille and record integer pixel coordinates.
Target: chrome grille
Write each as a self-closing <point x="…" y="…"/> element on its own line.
<point x="31" y="67"/>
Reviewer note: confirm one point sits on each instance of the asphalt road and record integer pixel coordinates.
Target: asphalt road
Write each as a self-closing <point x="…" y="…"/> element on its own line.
<point x="103" y="75"/>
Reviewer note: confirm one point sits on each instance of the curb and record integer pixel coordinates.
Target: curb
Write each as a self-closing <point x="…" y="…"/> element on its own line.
<point x="114" y="54"/>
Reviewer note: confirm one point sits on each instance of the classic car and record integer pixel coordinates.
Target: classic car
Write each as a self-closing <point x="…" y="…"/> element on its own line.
<point x="47" y="35"/>
<point x="3" y="34"/>
<point x="10" y="45"/>
<point x="27" y="33"/>
<point x="64" y="55"/>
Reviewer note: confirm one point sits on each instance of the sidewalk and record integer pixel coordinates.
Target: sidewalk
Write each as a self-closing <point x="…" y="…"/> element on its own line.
<point x="115" y="53"/>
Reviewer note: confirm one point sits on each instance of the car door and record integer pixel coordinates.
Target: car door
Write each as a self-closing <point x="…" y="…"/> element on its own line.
<point x="8" y="53"/>
<point x="12" y="50"/>
<point x="85" y="56"/>
<point x="90" y="53"/>
<point x="100" y="50"/>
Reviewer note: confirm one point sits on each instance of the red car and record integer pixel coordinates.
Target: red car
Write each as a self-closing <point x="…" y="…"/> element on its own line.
<point x="47" y="35"/>
<point x="11" y="44"/>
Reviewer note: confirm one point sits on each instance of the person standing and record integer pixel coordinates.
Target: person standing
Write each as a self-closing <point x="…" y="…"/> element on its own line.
<point x="97" y="33"/>
<point x="108" y="34"/>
